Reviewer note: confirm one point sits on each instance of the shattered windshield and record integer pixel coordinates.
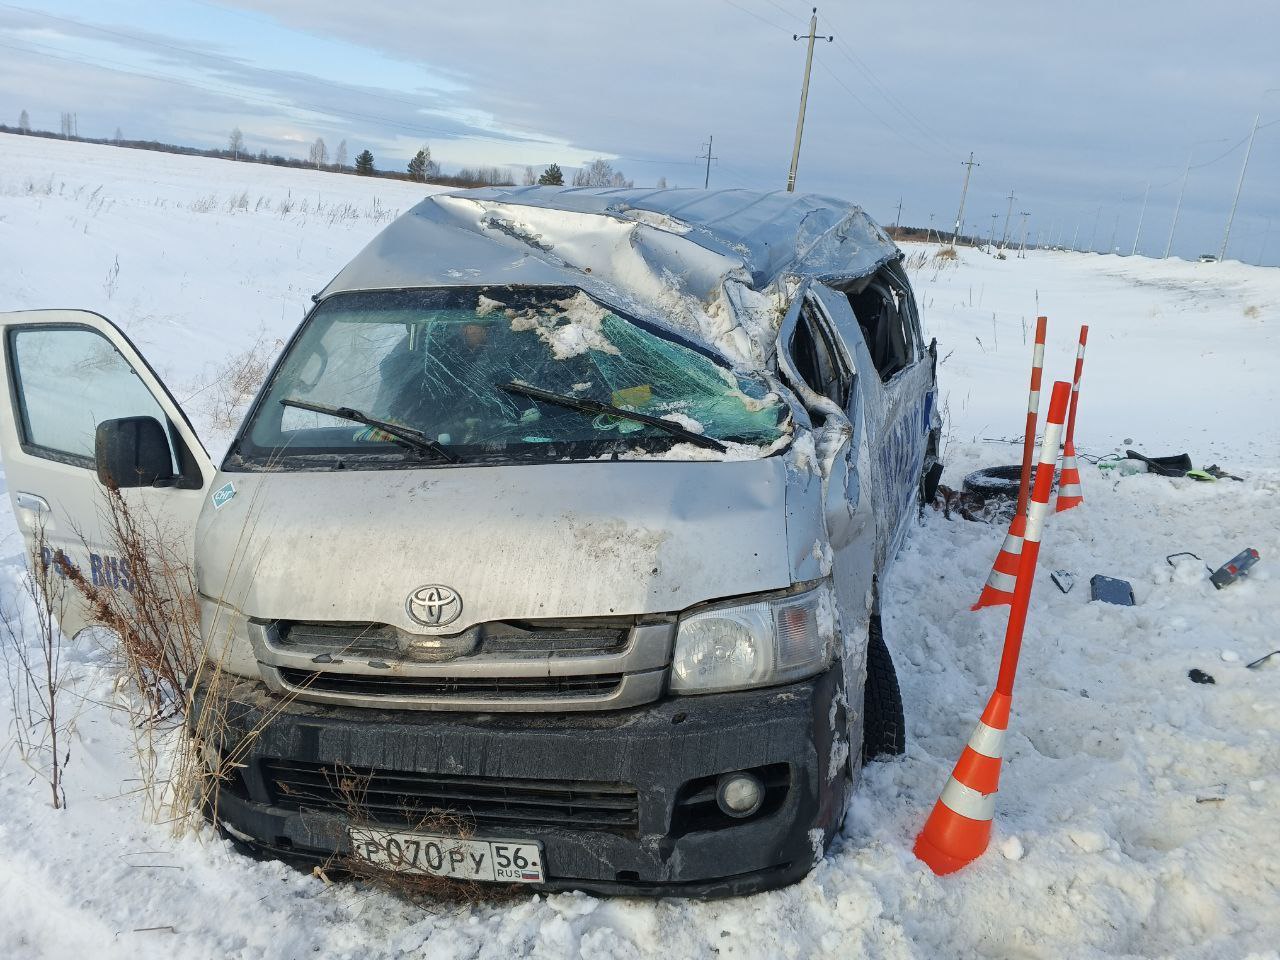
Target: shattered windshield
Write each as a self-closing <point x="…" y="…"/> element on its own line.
<point x="440" y="362"/>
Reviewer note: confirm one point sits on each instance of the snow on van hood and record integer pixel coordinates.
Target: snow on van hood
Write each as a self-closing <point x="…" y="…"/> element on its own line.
<point x="516" y="542"/>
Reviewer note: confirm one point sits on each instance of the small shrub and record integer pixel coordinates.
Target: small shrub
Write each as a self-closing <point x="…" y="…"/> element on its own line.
<point x="35" y="672"/>
<point x="234" y="383"/>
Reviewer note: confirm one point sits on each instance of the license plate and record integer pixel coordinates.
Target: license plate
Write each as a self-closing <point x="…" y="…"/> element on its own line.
<point x="491" y="861"/>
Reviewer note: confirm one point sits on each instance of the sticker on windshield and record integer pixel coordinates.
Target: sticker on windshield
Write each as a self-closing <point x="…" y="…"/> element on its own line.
<point x="223" y="494"/>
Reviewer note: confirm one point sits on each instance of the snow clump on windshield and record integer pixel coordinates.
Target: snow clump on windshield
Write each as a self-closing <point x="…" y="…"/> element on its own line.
<point x="568" y="339"/>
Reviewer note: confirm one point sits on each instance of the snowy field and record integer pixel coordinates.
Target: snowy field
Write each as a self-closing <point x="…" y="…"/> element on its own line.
<point x="1138" y="811"/>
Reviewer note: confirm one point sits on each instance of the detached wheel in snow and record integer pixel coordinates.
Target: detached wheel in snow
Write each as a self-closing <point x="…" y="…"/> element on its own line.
<point x="884" y="732"/>
<point x="995" y="482"/>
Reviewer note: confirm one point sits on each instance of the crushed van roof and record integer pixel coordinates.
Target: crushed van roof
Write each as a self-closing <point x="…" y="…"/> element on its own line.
<point x="509" y="236"/>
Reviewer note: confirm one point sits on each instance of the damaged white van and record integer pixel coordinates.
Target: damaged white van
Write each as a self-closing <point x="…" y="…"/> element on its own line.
<point x="562" y="516"/>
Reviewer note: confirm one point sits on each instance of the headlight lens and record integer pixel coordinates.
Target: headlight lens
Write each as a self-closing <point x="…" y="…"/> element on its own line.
<point x="754" y="644"/>
<point x="225" y="632"/>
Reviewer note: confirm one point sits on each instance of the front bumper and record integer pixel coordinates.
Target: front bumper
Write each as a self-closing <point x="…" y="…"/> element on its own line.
<point x="659" y="749"/>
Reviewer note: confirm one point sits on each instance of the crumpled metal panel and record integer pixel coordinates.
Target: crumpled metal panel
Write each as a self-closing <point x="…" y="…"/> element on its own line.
<point x="765" y="234"/>
<point x="520" y="542"/>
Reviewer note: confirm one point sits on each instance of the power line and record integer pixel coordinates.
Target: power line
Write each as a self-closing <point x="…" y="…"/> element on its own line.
<point x="866" y="106"/>
<point x="1222" y="156"/>
<point x="781" y="9"/>
<point x="888" y="95"/>
<point x="752" y="13"/>
<point x="836" y="77"/>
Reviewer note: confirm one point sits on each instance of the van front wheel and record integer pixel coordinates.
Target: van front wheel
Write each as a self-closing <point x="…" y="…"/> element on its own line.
<point x="884" y="730"/>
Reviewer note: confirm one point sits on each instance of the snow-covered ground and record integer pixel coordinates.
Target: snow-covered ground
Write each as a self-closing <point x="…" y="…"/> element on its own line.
<point x="1137" y="814"/>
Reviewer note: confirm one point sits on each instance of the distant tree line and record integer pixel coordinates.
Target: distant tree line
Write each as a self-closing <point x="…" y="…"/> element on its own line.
<point x="421" y="168"/>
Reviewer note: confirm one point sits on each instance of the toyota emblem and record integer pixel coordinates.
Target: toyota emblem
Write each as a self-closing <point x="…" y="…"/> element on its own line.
<point x="434" y="605"/>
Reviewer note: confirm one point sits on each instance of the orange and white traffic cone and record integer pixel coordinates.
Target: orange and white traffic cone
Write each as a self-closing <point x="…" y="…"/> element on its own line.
<point x="999" y="585"/>
<point x="958" y="830"/>
<point x="1070" y="490"/>
<point x="1004" y="574"/>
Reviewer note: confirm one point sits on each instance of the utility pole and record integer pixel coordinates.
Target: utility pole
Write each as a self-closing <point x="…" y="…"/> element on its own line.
<point x="898" y="222"/>
<point x="811" y="36"/>
<point x="929" y="236"/>
<point x="992" y="239"/>
<point x="1075" y="236"/>
<point x="1004" y="237"/>
<point x="1022" y="254"/>
<point x="706" y="181"/>
<point x="1178" y="207"/>
<point x="1140" y="216"/>
<point x="1094" y="235"/>
<point x="1239" y="185"/>
<point x="968" y="165"/>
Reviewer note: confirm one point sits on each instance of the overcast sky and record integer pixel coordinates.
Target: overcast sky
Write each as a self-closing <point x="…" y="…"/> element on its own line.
<point x="1075" y="107"/>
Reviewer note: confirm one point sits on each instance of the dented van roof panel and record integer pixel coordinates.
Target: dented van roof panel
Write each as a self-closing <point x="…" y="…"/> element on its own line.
<point x="605" y="240"/>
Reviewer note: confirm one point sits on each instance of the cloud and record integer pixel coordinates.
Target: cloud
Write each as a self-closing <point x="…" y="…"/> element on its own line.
<point x="1073" y="107"/>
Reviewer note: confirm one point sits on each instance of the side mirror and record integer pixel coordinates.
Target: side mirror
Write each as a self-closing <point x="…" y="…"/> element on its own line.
<point x="133" y="452"/>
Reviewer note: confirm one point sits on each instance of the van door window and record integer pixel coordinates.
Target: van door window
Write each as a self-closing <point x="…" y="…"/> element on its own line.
<point x="816" y="359"/>
<point x="885" y="313"/>
<point x="68" y="380"/>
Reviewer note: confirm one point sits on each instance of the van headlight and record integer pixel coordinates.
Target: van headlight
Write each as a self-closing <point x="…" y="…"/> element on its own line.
<point x="756" y="644"/>
<point x="224" y="631"/>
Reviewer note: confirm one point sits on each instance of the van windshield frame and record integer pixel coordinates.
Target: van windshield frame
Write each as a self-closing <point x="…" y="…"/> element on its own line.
<point x="433" y="360"/>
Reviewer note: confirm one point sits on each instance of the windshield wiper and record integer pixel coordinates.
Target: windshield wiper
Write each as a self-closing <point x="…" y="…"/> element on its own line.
<point x="595" y="406"/>
<point x="405" y="436"/>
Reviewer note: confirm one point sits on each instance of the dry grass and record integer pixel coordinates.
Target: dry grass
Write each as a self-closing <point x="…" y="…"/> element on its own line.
<point x="35" y="674"/>
<point x="224" y="398"/>
<point x="157" y="615"/>
<point x="414" y="886"/>
<point x="163" y="659"/>
<point x="185" y="746"/>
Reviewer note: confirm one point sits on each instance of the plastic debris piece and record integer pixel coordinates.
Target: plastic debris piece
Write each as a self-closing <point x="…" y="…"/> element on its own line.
<point x="1235" y="568"/>
<point x="1199" y="676"/>
<point x="1111" y="590"/>
<point x="1063" y="580"/>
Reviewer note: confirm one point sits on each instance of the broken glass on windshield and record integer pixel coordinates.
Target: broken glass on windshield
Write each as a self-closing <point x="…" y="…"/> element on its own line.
<point x="435" y="361"/>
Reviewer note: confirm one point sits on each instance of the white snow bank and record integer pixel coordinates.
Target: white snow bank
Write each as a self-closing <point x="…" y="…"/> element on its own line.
<point x="1101" y="848"/>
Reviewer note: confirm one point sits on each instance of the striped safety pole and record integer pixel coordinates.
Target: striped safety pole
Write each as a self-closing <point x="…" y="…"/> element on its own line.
<point x="958" y="830"/>
<point x="1070" y="491"/>
<point x="999" y="585"/>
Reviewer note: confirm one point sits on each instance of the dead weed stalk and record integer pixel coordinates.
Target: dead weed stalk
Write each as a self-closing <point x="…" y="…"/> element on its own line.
<point x="397" y="868"/>
<point x="35" y="673"/>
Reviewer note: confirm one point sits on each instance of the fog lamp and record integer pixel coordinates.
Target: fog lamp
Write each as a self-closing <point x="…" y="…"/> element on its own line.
<point x="739" y="794"/>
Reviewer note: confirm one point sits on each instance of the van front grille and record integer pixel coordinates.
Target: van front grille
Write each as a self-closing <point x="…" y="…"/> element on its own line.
<point x="398" y="685"/>
<point x="510" y="639"/>
<point x="427" y="801"/>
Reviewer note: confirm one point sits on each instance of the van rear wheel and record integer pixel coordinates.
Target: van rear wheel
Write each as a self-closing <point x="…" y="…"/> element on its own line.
<point x="884" y="731"/>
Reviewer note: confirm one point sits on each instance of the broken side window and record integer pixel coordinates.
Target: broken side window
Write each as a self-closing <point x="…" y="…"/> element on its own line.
<point x="885" y="313"/>
<point x="816" y="358"/>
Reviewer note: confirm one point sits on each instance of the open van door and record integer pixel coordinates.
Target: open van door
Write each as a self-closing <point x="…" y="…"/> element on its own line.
<point x="81" y="404"/>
